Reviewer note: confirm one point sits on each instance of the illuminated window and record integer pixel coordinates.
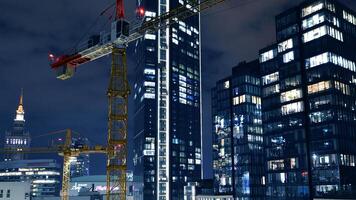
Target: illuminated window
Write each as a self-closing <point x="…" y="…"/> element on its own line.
<point x="314" y="34"/>
<point x="240" y="99"/>
<point x="149" y="71"/>
<point x="276" y="165"/>
<point x="317" y="60"/>
<point x="319" y="87"/>
<point x="324" y="160"/>
<point x="182" y="101"/>
<point x="314" y="20"/>
<point x="293" y="163"/>
<point x="182" y="78"/>
<point x="342" y="62"/>
<point x="268" y="55"/>
<point x="175" y="41"/>
<point x="150" y="14"/>
<point x="282" y="177"/>
<point x="292" y="108"/>
<point x="335" y="33"/>
<point x="321" y="31"/>
<point x="256" y="100"/>
<point x="226" y="84"/>
<point x="182" y="89"/>
<point x="312" y="8"/>
<point x="288" y="57"/>
<point x="150" y="90"/>
<point x="183" y="95"/>
<point x="345" y="89"/>
<point x="318" y="19"/>
<point x="291" y="95"/>
<point x="288" y="44"/>
<point x="150" y="36"/>
<point x="270" y="78"/>
<point x="321" y="116"/>
<point x="330" y="57"/>
<point x="149" y="96"/>
<point x="330" y="6"/>
<point x="348" y="160"/>
<point x="149" y="84"/>
<point x="349" y="17"/>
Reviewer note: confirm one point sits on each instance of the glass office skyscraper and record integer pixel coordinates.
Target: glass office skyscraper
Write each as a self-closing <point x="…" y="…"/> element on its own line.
<point x="167" y="138"/>
<point x="238" y="163"/>
<point x="309" y="102"/>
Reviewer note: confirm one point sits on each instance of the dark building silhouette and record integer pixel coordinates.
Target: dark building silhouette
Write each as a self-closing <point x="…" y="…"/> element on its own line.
<point x="309" y="102"/>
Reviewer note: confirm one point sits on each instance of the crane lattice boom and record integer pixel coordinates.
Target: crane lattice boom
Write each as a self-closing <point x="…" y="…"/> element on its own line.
<point x="122" y="34"/>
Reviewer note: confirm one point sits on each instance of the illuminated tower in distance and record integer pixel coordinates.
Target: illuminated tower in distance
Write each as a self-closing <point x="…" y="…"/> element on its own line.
<point x="17" y="138"/>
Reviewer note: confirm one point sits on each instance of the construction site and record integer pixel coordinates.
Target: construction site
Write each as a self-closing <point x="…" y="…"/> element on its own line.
<point x="178" y="100"/>
<point x="114" y="42"/>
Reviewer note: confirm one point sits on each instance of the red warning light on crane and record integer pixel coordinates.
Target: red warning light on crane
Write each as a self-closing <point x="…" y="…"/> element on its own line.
<point x="140" y="12"/>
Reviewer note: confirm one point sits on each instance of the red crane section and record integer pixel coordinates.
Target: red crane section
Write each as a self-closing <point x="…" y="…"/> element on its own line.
<point x="120" y="10"/>
<point x="121" y="34"/>
<point x="77" y="58"/>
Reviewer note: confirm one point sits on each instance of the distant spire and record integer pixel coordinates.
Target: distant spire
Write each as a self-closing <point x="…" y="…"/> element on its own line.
<point x="20" y="112"/>
<point x="21" y="97"/>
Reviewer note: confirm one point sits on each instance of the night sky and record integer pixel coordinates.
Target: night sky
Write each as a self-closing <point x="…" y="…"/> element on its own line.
<point x="29" y="30"/>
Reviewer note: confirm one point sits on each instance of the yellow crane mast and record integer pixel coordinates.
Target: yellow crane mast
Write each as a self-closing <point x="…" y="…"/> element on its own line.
<point x="117" y="128"/>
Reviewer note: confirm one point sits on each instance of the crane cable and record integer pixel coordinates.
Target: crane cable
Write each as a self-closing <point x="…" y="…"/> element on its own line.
<point x="49" y="133"/>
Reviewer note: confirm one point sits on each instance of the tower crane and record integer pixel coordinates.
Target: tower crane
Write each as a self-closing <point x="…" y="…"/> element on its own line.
<point x="115" y="42"/>
<point x="66" y="150"/>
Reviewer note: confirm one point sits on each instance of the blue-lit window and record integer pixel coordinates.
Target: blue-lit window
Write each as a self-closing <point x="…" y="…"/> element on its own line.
<point x="268" y="55"/>
<point x="292" y="108"/>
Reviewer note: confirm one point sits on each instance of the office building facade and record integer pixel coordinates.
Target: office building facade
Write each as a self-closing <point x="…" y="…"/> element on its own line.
<point x="17" y="137"/>
<point x="238" y="163"/>
<point x="308" y="95"/>
<point x="44" y="175"/>
<point x="167" y="138"/>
